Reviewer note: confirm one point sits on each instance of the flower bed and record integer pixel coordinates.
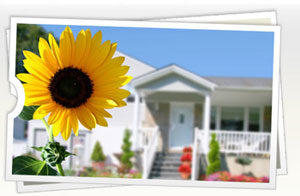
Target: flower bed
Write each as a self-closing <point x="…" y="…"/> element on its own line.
<point x="108" y="172"/>
<point x="226" y="176"/>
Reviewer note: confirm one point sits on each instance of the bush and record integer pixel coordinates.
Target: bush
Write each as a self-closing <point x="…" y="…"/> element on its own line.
<point x="214" y="159"/>
<point x="97" y="154"/>
<point x="243" y="160"/>
<point x="127" y="154"/>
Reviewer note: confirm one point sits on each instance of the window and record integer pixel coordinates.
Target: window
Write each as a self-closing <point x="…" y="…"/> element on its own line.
<point x="130" y="99"/>
<point x="232" y="118"/>
<point x="253" y="119"/>
<point x="213" y="118"/>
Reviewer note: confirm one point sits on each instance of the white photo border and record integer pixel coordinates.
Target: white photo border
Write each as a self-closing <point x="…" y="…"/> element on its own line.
<point x="169" y="25"/>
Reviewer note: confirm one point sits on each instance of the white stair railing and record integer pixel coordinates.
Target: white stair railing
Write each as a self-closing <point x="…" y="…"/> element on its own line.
<point x="195" y="158"/>
<point x="150" y="143"/>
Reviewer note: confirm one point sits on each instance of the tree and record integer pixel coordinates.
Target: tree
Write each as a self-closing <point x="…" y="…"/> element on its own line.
<point x="27" y="39"/>
<point x="127" y="154"/>
<point x="97" y="154"/>
<point x="214" y="158"/>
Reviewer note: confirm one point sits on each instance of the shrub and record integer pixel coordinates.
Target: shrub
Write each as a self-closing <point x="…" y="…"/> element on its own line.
<point x="214" y="159"/>
<point x="243" y="160"/>
<point x="127" y="154"/>
<point x="97" y="154"/>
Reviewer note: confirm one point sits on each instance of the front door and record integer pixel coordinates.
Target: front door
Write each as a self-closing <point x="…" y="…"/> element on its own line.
<point x="181" y="125"/>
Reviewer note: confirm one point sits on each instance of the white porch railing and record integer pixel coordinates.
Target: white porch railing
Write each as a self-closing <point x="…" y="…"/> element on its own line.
<point x="230" y="142"/>
<point x="241" y="141"/>
<point x="150" y="138"/>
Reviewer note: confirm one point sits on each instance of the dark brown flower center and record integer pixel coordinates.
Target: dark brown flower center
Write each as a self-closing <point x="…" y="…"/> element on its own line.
<point x="70" y="87"/>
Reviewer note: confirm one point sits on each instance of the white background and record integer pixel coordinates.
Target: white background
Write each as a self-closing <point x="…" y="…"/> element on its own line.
<point x="288" y="13"/>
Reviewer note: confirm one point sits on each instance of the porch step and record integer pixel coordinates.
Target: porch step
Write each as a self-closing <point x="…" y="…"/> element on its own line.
<point x="165" y="168"/>
<point x="166" y="165"/>
<point x="165" y="175"/>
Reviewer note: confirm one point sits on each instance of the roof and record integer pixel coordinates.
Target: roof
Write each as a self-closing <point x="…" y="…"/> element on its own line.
<point x="148" y="72"/>
<point x="241" y="82"/>
<point x="159" y="73"/>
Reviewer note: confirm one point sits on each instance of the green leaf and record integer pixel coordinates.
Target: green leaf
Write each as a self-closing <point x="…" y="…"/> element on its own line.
<point x="38" y="148"/>
<point x="27" y="112"/>
<point x="26" y="165"/>
<point x="68" y="154"/>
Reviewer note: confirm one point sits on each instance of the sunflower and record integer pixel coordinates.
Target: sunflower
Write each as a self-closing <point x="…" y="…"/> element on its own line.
<point x="76" y="80"/>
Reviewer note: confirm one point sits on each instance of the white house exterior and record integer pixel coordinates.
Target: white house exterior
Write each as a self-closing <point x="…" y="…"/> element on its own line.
<point x="171" y="108"/>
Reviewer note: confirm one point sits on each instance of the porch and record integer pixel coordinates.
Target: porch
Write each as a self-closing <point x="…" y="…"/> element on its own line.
<point x="231" y="142"/>
<point x="182" y="109"/>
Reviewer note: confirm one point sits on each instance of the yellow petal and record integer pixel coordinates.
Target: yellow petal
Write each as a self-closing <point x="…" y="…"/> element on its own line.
<point x="85" y="117"/>
<point x="55" y="49"/>
<point x="47" y="55"/>
<point x="96" y="41"/>
<point x="35" y="58"/>
<point x="120" y="103"/>
<point x="101" y="111"/>
<point x="56" y="128"/>
<point x="33" y="87"/>
<point x="111" y="69"/>
<point x="74" y="122"/>
<point x="88" y="37"/>
<point x="97" y="57"/>
<point x="100" y="120"/>
<point x="31" y="79"/>
<point x="38" y="114"/>
<point x="60" y="125"/>
<point x="66" y="128"/>
<point x="55" y="115"/>
<point x="116" y="93"/>
<point x="110" y="84"/>
<point x="37" y="100"/>
<point x="102" y="102"/>
<point x="65" y="47"/>
<point x="38" y="69"/>
<point x="111" y="53"/>
<point x="80" y="45"/>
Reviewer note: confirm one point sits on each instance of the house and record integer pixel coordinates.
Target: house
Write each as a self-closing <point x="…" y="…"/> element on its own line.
<point x="171" y="108"/>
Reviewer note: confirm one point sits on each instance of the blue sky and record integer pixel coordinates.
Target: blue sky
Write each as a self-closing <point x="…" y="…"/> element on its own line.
<point x="204" y="52"/>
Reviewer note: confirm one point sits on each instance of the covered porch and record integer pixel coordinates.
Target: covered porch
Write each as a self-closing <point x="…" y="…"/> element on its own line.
<point x="175" y="108"/>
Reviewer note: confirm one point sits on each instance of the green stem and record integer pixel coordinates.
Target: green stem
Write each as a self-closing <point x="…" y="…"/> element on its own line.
<point x="60" y="169"/>
<point x="49" y="130"/>
<point x="51" y="139"/>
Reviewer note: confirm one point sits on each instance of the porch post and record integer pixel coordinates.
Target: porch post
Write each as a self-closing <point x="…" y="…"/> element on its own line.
<point x="135" y="131"/>
<point x="261" y="119"/>
<point x="206" y="122"/>
<point x="218" y="117"/>
<point x="246" y="119"/>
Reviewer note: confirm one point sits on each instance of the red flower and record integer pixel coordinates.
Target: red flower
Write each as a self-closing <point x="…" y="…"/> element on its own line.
<point x="184" y="169"/>
<point x="186" y="157"/>
<point x="187" y="149"/>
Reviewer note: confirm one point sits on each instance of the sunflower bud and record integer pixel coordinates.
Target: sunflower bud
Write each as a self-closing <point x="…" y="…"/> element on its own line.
<point x="53" y="153"/>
